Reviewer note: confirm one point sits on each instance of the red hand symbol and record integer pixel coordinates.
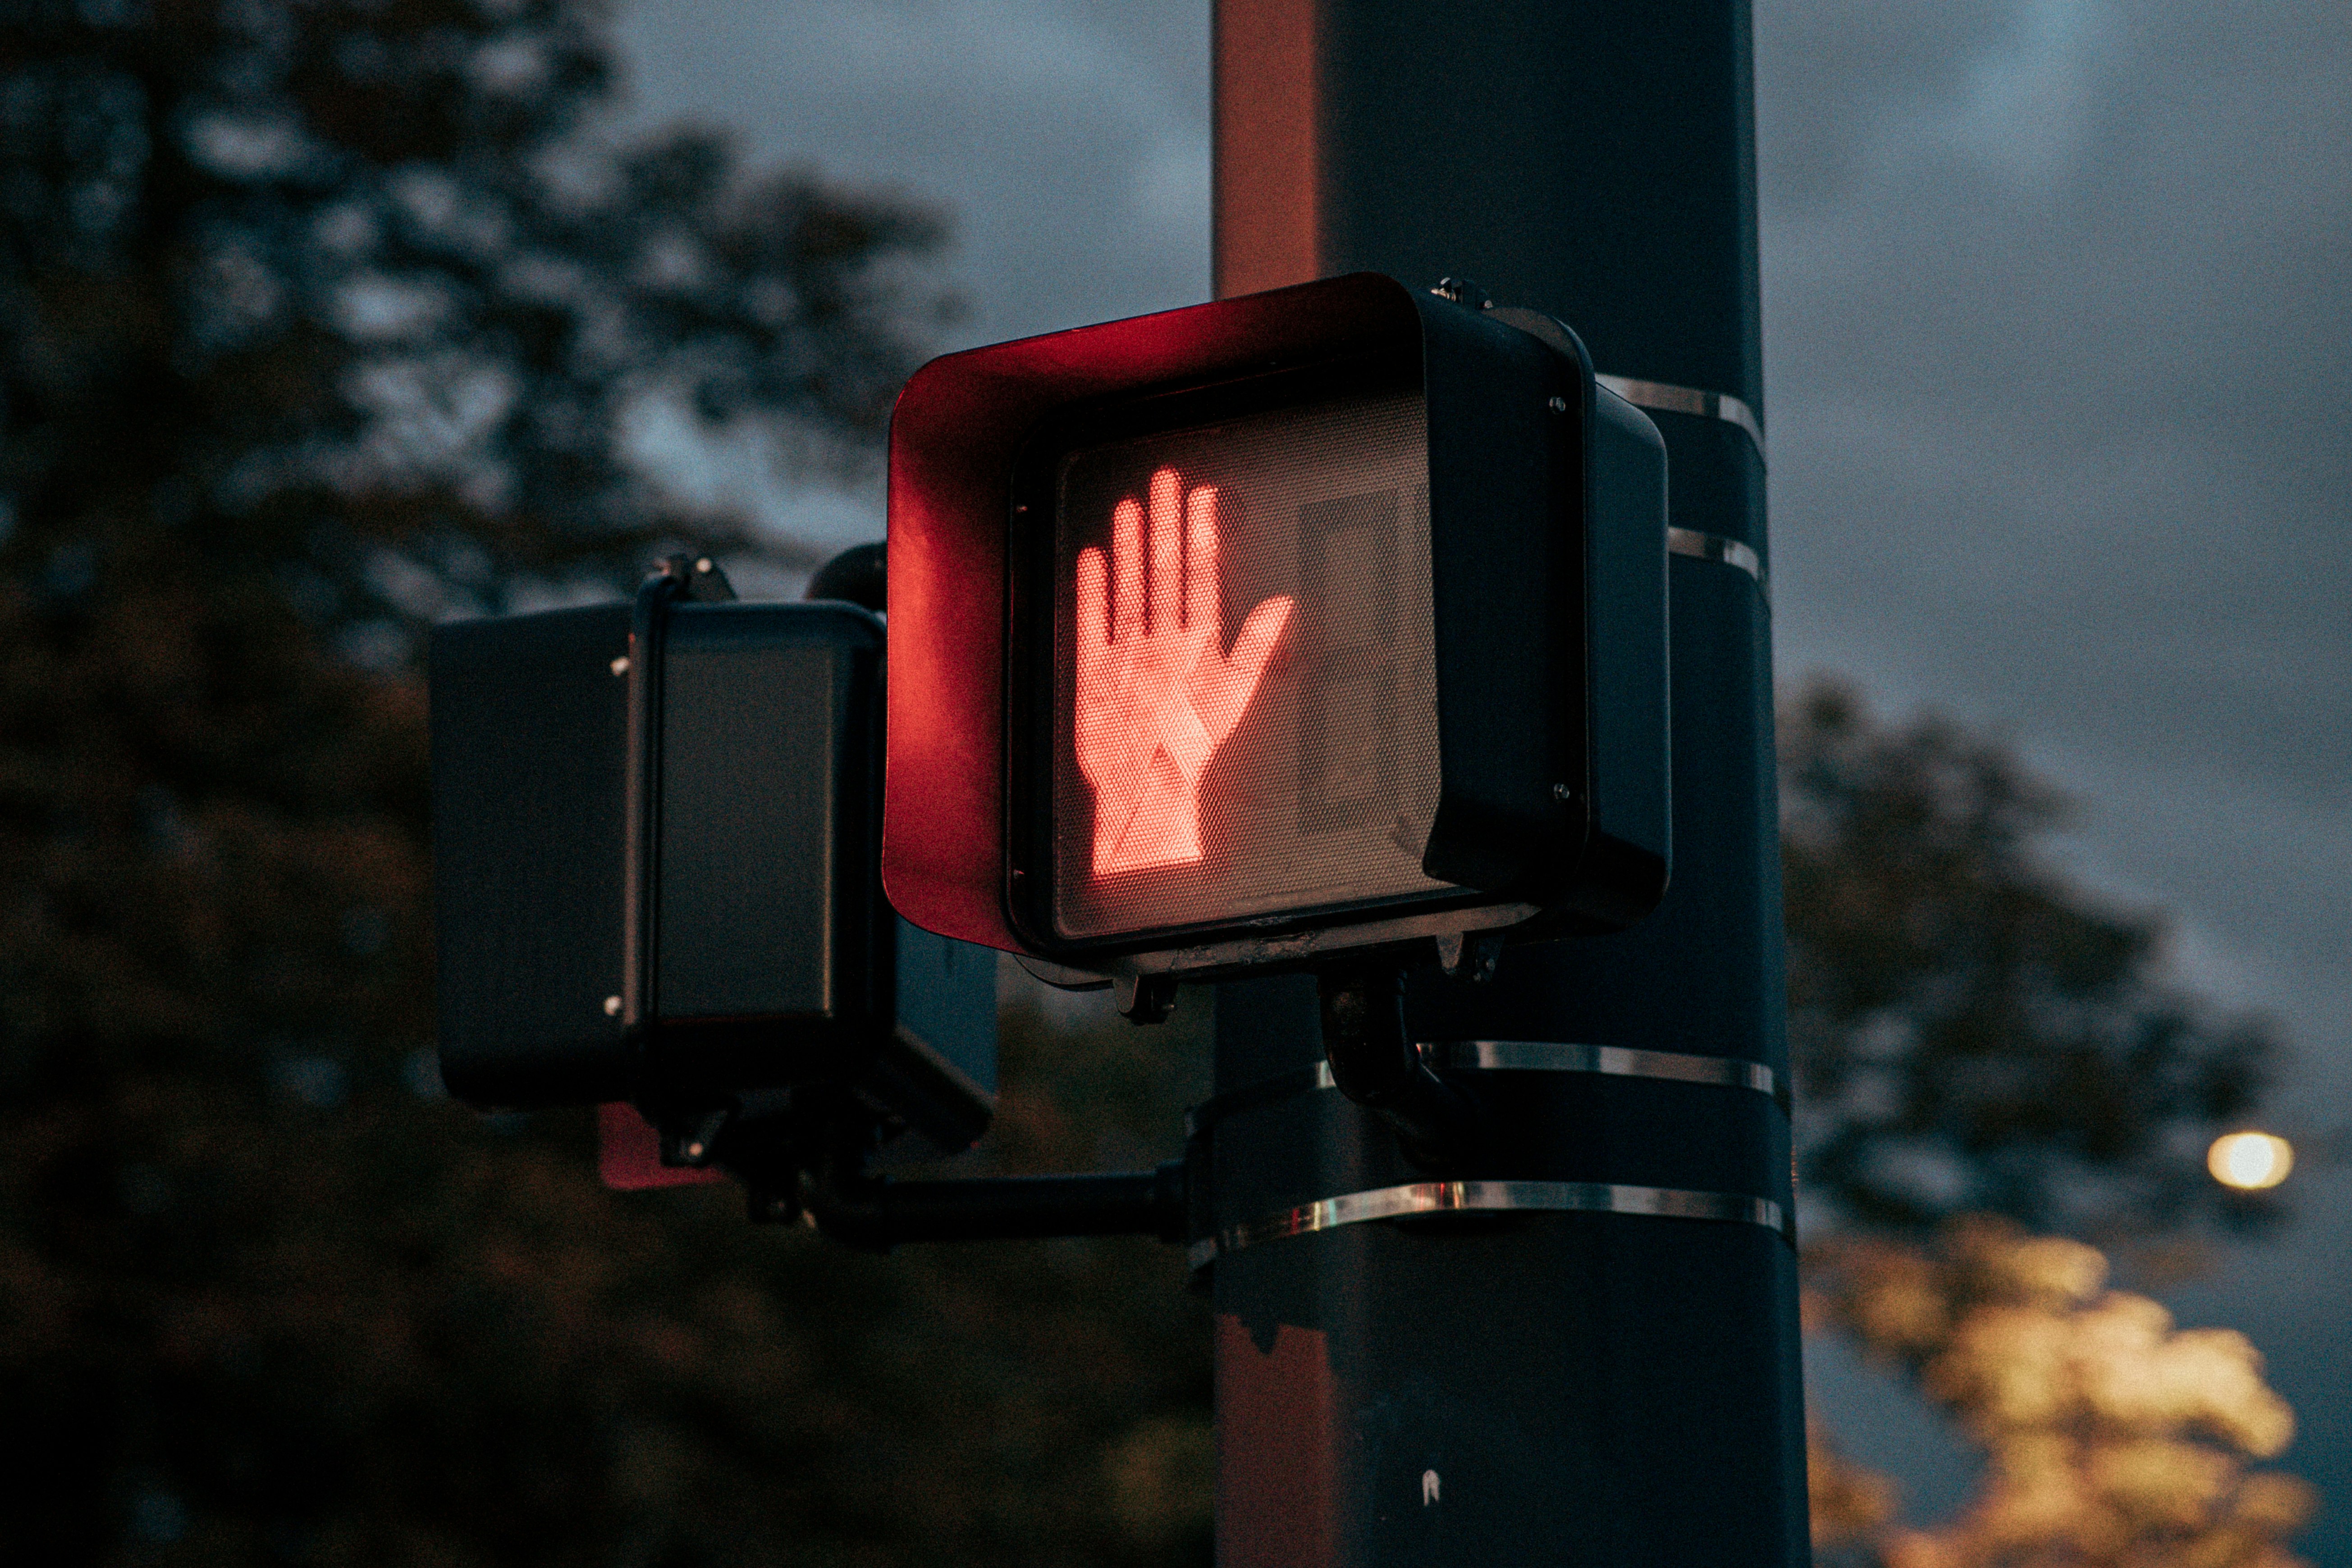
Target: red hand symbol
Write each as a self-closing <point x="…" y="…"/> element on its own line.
<point x="1157" y="692"/>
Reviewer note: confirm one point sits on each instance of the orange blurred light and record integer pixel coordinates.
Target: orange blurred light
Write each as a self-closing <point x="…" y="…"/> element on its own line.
<point x="2249" y="1161"/>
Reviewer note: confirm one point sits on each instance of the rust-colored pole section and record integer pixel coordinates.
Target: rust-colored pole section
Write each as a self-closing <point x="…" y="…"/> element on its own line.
<point x="1265" y="175"/>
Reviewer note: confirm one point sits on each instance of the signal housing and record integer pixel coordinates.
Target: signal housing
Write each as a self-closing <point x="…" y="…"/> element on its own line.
<point x="654" y="868"/>
<point x="1546" y="571"/>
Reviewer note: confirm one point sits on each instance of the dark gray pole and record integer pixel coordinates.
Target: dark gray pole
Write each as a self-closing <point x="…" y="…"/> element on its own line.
<point x="1606" y="1387"/>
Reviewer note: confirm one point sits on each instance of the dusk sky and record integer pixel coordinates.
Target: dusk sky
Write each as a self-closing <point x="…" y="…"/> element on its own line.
<point x="2056" y="294"/>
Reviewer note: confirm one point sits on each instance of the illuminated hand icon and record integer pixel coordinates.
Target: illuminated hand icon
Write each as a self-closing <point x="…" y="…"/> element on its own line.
<point x="1158" y="694"/>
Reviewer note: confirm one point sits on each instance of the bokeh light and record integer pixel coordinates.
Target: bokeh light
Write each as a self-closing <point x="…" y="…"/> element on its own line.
<point x="2249" y="1161"/>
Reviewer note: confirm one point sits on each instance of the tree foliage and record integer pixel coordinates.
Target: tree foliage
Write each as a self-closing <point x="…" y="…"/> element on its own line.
<point x="340" y="295"/>
<point x="1975" y="1036"/>
<point x="2112" y="1438"/>
<point x="1972" y="1033"/>
<point x="318" y="320"/>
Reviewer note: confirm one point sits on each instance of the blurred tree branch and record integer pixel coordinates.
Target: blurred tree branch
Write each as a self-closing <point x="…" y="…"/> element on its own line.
<point x="1971" y="1032"/>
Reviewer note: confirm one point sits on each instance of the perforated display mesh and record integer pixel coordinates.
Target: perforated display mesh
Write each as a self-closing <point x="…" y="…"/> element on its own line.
<point x="1245" y="716"/>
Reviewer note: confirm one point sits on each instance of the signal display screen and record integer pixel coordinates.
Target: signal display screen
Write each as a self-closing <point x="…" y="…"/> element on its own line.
<point x="1244" y="710"/>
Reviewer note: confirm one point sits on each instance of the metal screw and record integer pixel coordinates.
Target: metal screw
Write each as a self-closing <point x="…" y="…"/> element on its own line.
<point x="621" y="665"/>
<point x="1561" y="792"/>
<point x="1560" y="405"/>
<point x="611" y="1007"/>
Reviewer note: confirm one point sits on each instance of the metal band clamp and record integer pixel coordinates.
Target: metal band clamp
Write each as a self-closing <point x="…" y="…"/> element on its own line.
<point x="1672" y="399"/>
<point x="1494" y="1198"/>
<point x="1516" y="1056"/>
<point x="1552" y="1055"/>
<point x="1714" y="547"/>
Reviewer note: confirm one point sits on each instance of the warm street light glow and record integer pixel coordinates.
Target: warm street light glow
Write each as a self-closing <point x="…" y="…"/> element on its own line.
<point x="2249" y="1161"/>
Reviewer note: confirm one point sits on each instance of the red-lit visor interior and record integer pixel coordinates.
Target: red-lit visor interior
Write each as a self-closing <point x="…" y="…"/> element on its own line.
<point x="1244" y="710"/>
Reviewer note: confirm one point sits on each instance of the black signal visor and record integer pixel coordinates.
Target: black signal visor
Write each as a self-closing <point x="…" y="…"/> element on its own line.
<point x="1325" y="617"/>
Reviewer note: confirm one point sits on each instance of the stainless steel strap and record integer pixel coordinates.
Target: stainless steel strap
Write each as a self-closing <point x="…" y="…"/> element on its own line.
<point x="1520" y="1056"/>
<point x="1674" y="399"/>
<point x="1555" y="1055"/>
<point x="1714" y="547"/>
<point x="1494" y="1198"/>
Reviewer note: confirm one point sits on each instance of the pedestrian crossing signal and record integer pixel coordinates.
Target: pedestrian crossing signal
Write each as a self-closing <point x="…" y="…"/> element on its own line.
<point x="1324" y="618"/>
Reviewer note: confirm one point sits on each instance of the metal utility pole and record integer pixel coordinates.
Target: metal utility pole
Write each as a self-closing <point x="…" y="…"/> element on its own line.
<point x="1611" y="1376"/>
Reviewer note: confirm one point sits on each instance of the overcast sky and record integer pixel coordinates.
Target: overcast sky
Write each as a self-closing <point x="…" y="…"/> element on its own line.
<point x="2058" y="304"/>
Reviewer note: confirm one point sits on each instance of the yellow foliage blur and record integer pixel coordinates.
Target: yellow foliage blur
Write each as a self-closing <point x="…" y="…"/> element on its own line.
<point x="2112" y="1438"/>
